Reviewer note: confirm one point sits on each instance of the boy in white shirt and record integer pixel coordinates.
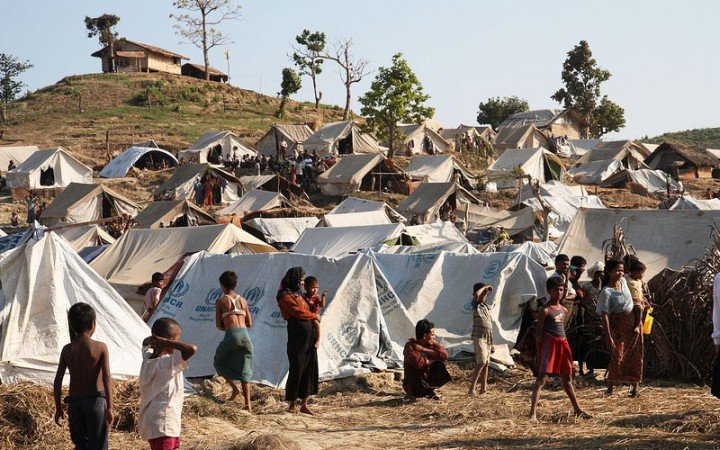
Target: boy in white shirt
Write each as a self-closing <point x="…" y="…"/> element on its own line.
<point x="161" y="385"/>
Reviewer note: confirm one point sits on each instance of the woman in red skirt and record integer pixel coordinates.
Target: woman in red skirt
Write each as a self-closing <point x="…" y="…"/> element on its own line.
<point x="554" y="355"/>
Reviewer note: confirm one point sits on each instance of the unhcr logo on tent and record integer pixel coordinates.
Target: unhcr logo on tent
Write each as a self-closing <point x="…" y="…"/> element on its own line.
<point x="467" y="307"/>
<point x="253" y="295"/>
<point x="212" y="296"/>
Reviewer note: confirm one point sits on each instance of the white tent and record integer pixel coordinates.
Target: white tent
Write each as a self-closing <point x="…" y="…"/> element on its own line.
<point x="684" y="203"/>
<point x="355" y="219"/>
<point x="375" y="300"/>
<point x="180" y="185"/>
<point x="81" y="202"/>
<point x="40" y="281"/>
<point x="563" y="210"/>
<point x="653" y="181"/>
<point x="337" y="242"/>
<point x="428" y="199"/>
<point x="15" y="154"/>
<point x="49" y="169"/>
<point x="85" y="236"/>
<point x="293" y="135"/>
<point x="138" y="157"/>
<point x="285" y="230"/>
<point x="361" y="328"/>
<point x="132" y="259"/>
<point x="255" y="200"/>
<point x="215" y="146"/>
<point x="538" y="163"/>
<point x="552" y="188"/>
<point x="356" y="205"/>
<point x="578" y="147"/>
<point x="340" y="138"/>
<point x="449" y="247"/>
<point x="480" y="218"/>
<point x="436" y="233"/>
<point x="353" y="173"/>
<point x="169" y="213"/>
<point x="542" y="253"/>
<point x="595" y="172"/>
<point x="421" y="139"/>
<point x="431" y="169"/>
<point x="661" y="238"/>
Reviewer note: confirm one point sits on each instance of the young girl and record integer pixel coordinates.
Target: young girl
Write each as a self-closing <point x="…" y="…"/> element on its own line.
<point x="315" y="302"/>
<point x="554" y="353"/>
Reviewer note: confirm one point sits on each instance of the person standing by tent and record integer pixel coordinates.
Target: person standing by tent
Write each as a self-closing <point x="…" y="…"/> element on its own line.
<point x="234" y="355"/>
<point x="208" y="190"/>
<point x="152" y="296"/>
<point x="302" y="381"/>
<point x="562" y="271"/>
<point x="623" y="337"/>
<point x="481" y="336"/>
<point x="31" y="202"/>
<point x="198" y="188"/>
<point x="590" y="350"/>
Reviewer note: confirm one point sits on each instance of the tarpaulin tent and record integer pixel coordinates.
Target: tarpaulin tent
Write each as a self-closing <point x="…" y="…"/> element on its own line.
<point x="132" y="259"/>
<point x="361" y="327"/>
<point x="537" y="163"/>
<point x="176" y="213"/>
<point x="577" y="147"/>
<point x="653" y="181"/>
<point x="180" y="185"/>
<point x="293" y="135"/>
<point x="140" y="157"/>
<point x="337" y="242"/>
<point x="15" y="154"/>
<point x="40" y="281"/>
<point x="357" y="172"/>
<point x="256" y="200"/>
<point x="684" y="203"/>
<point x="273" y="183"/>
<point x="563" y="210"/>
<point x="285" y="230"/>
<point x="374" y="302"/>
<point x="215" y="146"/>
<point x="627" y="152"/>
<point x="551" y="188"/>
<point x="661" y="238"/>
<point x="354" y="219"/>
<point x="523" y="137"/>
<point x="85" y="236"/>
<point x="435" y="233"/>
<point x="450" y="247"/>
<point x="542" y="253"/>
<point x="595" y="172"/>
<point x="340" y="138"/>
<point x="49" y="169"/>
<point x="427" y="200"/>
<point x="431" y="169"/>
<point x="355" y="205"/>
<point x="480" y="218"/>
<point x="81" y="202"/>
<point x="421" y="139"/>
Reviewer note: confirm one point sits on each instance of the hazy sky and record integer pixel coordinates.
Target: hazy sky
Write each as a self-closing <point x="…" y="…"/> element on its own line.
<point x="663" y="54"/>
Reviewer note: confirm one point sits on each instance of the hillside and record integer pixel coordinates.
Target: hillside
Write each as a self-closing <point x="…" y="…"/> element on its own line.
<point x="173" y="110"/>
<point x="701" y="137"/>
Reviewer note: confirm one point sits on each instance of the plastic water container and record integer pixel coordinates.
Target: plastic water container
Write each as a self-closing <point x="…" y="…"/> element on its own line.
<point x="647" y="325"/>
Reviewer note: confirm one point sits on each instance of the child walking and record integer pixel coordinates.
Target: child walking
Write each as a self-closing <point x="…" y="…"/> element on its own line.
<point x="90" y="403"/>
<point x="554" y="355"/>
<point x="481" y="336"/>
<point x="316" y="303"/>
<point x="161" y="385"/>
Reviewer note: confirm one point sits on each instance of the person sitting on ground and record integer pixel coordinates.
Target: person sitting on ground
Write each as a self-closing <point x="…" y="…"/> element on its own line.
<point x="424" y="364"/>
<point x="502" y="235"/>
<point x="315" y="302"/>
<point x="554" y="354"/>
<point x="14" y="220"/>
<point x="164" y="358"/>
<point x="90" y="399"/>
<point x="152" y="296"/>
<point x="482" y="337"/>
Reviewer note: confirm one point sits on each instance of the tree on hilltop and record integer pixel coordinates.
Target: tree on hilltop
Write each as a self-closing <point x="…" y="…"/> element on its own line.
<point x="582" y="78"/>
<point x="495" y="110"/>
<point x="290" y="84"/>
<point x="102" y="27"/>
<point x="197" y="26"/>
<point x="10" y="68"/>
<point x="308" y="57"/>
<point x="352" y="69"/>
<point x="395" y="96"/>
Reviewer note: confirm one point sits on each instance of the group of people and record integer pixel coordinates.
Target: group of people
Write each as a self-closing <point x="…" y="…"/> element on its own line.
<point x="209" y="189"/>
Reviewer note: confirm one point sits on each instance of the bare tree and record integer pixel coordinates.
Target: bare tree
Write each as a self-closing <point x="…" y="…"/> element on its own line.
<point x="198" y="26"/>
<point x="352" y="69"/>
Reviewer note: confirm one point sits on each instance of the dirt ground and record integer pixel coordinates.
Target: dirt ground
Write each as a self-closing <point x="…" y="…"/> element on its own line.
<point x="366" y="412"/>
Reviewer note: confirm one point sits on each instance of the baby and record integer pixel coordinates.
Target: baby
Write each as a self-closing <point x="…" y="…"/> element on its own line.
<point x="315" y="302"/>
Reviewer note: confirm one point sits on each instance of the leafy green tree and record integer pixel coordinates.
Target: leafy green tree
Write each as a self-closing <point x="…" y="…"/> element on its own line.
<point x="307" y="56"/>
<point x="102" y="27"/>
<point x="197" y="26"/>
<point x="291" y="83"/>
<point x="495" y="110"/>
<point x="583" y="78"/>
<point x="395" y="96"/>
<point x="10" y="68"/>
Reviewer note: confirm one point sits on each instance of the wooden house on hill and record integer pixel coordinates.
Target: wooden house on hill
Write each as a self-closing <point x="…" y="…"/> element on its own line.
<point x="682" y="161"/>
<point x="198" y="71"/>
<point x="131" y="56"/>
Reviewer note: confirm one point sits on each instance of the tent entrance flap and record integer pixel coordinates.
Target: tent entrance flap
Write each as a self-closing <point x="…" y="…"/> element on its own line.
<point x="345" y="146"/>
<point x="47" y="177"/>
<point x="552" y="169"/>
